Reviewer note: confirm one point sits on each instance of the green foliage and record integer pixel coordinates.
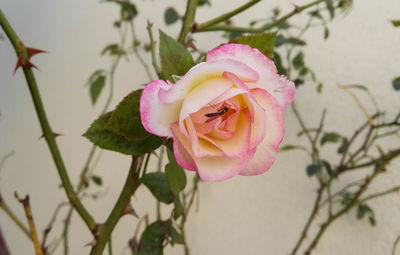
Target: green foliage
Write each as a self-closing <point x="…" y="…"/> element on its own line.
<point x="170" y="16"/>
<point x="330" y="138"/>
<point x="175" y="58"/>
<point x="96" y="84"/>
<point x="204" y="2"/>
<point x="157" y="184"/>
<point x="176" y="237"/>
<point x="175" y="174"/>
<point x="312" y="169"/>
<point x="264" y="42"/>
<point x="152" y="240"/>
<point x="364" y="210"/>
<point x="125" y="119"/>
<point x="298" y="60"/>
<point x="289" y="147"/>
<point x="113" y="49"/>
<point x="395" y="23"/>
<point x="128" y="10"/>
<point x="97" y="180"/>
<point x="106" y="139"/>
<point x="343" y="147"/>
<point x="178" y="208"/>
<point x="330" y="7"/>
<point x="396" y="83"/>
<point x="319" y="87"/>
<point x="281" y="40"/>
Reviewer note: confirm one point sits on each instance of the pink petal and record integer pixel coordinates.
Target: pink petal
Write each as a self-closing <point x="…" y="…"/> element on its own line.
<point x="264" y="155"/>
<point x="278" y="86"/>
<point x="156" y="116"/>
<point x="203" y="72"/>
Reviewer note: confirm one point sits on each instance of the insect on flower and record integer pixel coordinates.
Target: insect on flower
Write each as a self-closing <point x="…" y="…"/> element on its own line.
<point x="213" y="115"/>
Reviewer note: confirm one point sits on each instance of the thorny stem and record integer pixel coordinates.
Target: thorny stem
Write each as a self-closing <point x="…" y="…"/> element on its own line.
<point x="131" y="184"/>
<point x="31" y="223"/>
<point x="227" y="15"/>
<point x="188" y="20"/>
<point x="297" y="9"/>
<point x="46" y="129"/>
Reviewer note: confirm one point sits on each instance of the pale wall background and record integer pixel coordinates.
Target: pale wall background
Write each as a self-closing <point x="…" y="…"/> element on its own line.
<point x="245" y="215"/>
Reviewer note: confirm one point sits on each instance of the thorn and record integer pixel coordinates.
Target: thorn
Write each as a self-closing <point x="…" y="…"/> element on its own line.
<point x="54" y="134"/>
<point x="20" y="62"/>
<point x="33" y="51"/>
<point x="129" y="210"/>
<point x="91" y="243"/>
<point x="190" y="42"/>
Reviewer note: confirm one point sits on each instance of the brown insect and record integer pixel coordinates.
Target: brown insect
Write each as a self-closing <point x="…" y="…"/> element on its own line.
<point x="213" y="115"/>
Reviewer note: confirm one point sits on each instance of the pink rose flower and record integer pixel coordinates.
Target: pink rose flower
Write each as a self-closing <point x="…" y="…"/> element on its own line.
<point x="224" y="115"/>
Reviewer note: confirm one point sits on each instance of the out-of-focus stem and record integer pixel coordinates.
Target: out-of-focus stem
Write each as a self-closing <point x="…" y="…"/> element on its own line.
<point x="188" y="20"/>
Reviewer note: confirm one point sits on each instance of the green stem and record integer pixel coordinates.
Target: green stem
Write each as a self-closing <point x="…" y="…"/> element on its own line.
<point x="188" y="20"/>
<point x="153" y="51"/>
<point x="227" y="15"/>
<point x="14" y="218"/>
<point x="46" y="129"/>
<point x="379" y="194"/>
<point x="131" y="184"/>
<point x="266" y="27"/>
<point x="110" y="246"/>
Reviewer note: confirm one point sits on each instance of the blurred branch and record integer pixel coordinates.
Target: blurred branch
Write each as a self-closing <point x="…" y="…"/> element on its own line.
<point x="296" y="10"/>
<point x="226" y="16"/>
<point x="33" y="232"/>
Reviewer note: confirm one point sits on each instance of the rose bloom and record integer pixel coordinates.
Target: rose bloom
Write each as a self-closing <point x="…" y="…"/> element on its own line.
<point x="224" y="115"/>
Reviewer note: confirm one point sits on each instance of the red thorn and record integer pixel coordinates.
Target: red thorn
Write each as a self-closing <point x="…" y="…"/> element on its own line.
<point x="54" y="134"/>
<point x="29" y="64"/>
<point x="20" y="62"/>
<point x="33" y="51"/>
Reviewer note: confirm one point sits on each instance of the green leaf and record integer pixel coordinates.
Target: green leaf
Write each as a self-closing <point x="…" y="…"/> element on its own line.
<point x="170" y="16"/>
<point x="298" y="60"/>
<point x="343" y="147"/>
<point x="326" y="33"/>
<point x="395" y="23"/>
<point x="175" y="174"/>
<point x="233" y="35"/>
<point x="152" y="240"/>
<point x="176" y="237"/>
<point x="330" y="138"/>
<point x="289" y="147"/>
<point x="278" y="62"/>
<point x="125" y="119"/>
<point x="396" y="83"/>
<point x="128" y="10"/>
<point x="105" y="139"/>
<point x="362" y="210"/>
<point x="319" y="87"/>
<point x="313" y="169"/>
<point x="112" y="49"/>
<point x="178" y="209"/>
<point x="204" y="2"/>
<point x="97" y="180"/>
<point x="157" y="184"/>
<point x="96" y="87"/>
<point x="330" y="7"/>
<point x="372" y="220"/>
<point x="327" y="167"/>
<point x="175" y="58"/>
<point x="264" y="42"/>
<point x="281" y="40"/>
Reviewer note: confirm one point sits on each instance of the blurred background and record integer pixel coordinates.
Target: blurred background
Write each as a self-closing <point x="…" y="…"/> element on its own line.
<point x="244" y="215"/>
